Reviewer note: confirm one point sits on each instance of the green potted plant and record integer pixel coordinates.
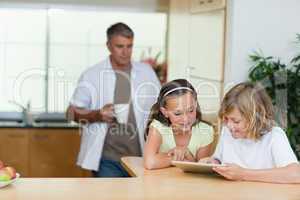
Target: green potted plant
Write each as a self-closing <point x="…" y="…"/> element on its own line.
<point x="282" y="82"/>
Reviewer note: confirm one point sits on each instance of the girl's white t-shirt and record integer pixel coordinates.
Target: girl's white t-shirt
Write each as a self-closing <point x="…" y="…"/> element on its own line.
<point x="272" y="150"/>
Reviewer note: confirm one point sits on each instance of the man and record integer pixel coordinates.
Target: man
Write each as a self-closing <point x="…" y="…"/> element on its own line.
<point x="116" y="80"/>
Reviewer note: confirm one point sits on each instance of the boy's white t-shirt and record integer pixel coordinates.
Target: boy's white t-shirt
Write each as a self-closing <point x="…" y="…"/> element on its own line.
<point x="272" y="150"/>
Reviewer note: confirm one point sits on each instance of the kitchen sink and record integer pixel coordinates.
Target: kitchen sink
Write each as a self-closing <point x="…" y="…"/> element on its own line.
<point x="39" y="120"/>
<point x="51" y="117"/>
<point x="11" y="117"/>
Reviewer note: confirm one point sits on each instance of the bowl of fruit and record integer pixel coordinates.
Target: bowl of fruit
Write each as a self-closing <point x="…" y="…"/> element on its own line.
<point x="8" y="175"/>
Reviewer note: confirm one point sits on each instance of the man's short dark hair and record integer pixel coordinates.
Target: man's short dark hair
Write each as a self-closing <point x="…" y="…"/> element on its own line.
<point x="119" y="29"/>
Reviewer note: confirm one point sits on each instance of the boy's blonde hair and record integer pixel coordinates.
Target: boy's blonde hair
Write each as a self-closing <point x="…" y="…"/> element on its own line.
<point x="255" y="106"/>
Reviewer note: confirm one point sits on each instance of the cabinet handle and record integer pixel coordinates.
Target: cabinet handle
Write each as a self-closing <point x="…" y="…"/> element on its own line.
<point x="201" y="2"/>
<point x="41" y="137"/>
<point x="16" y="136"/>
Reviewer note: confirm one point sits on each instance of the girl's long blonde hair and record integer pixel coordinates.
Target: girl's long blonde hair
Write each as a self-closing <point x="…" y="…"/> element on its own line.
<point x="254" y="104"/>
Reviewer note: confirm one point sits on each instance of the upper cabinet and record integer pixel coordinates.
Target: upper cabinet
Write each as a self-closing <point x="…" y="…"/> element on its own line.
<point x="206" y="44"/>
<point x="196" y="48"/>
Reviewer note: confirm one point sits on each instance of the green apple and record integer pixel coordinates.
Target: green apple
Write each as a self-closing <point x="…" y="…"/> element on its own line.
<point x="4" y="175"/>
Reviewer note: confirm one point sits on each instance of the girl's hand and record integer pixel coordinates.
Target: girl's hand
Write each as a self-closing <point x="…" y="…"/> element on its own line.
<point x="178" y="153"/>
<point x="231" y="172"/>
<point x="210" y="160"/>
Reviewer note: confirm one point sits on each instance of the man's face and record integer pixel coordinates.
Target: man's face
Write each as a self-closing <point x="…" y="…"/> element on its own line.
<point x="121" y="50"/>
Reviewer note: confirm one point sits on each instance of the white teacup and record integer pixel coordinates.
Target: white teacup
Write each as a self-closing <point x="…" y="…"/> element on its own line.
<point x="121" y="112"/>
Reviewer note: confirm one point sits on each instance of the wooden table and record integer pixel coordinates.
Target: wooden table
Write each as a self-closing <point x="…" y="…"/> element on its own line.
<point x="170" y="183"/>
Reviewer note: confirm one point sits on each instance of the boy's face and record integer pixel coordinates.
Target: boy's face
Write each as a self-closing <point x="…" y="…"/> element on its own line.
<point x="181" y="111"/>
<point x="236" y="124"/>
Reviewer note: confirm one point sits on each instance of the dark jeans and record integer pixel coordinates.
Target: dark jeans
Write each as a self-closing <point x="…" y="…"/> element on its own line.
<point x="110" y="168"/>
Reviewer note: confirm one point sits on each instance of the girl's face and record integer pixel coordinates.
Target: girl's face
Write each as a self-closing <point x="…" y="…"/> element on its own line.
<point x="236" y="124"/>
<point x="181" y="111"/>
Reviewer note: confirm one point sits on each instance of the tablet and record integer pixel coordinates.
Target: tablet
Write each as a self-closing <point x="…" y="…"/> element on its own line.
<point x="196" y="167"/>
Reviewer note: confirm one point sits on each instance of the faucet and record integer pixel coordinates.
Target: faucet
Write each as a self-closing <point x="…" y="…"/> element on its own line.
<point x="26" y="115"/>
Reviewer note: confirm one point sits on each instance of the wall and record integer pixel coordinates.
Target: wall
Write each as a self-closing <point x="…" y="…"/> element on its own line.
<point x="269" y="25"/>
<point x="128" y="5"/>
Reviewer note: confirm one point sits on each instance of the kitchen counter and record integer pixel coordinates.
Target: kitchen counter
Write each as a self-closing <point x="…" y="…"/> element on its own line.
<point x="35" y="120"/>
<point x="38" y="125"/>
<point x="169" y="183"/>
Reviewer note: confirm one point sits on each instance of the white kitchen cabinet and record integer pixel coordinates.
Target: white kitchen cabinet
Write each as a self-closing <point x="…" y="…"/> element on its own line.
<point x="196" y="49"/>
<point x="208" y="94"/>
<point x="206" y="44"/>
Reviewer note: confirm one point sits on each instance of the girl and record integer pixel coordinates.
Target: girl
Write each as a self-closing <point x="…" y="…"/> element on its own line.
<point x="175" y="130"/>
<point x="251" y="146"/>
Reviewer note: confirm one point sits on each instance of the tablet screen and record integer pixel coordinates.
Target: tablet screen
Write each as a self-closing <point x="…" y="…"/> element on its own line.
<point x="198" y="167"/>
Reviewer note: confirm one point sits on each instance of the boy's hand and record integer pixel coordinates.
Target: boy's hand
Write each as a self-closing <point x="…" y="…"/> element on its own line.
<point x="231" y="172"/>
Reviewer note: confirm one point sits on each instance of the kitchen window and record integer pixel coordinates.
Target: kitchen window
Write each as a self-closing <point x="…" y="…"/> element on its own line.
<point x="44" y="51"/>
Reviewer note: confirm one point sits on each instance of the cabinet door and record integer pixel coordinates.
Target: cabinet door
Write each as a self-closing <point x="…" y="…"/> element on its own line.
<point x="206" y="44"/>
<point x="14" y="149"/>
<point x="53" y="153"/>
<point x="209" y="96"/>
<point x="206" y="58"/>
<point x="196" y="49"/>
